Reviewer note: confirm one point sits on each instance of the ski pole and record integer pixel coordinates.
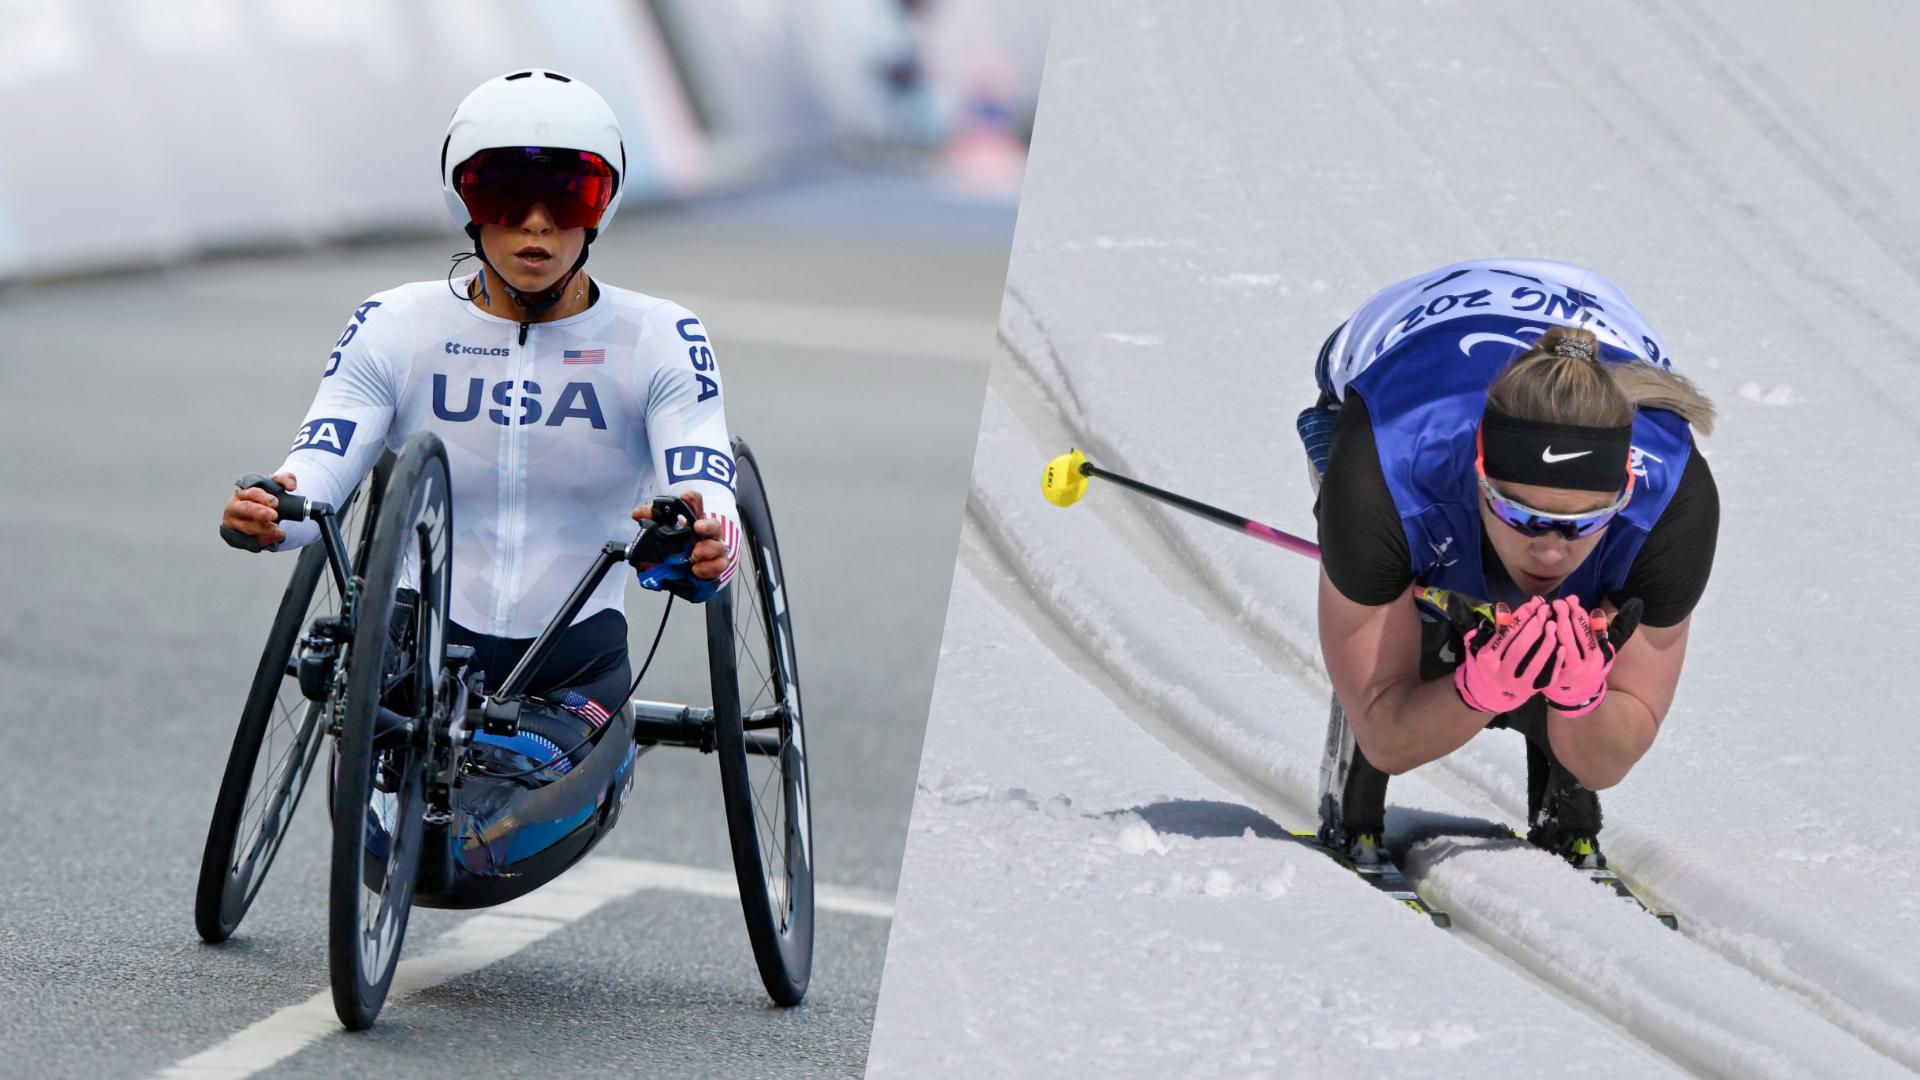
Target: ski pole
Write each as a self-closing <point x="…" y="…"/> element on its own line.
<point x="1065" y="481"/>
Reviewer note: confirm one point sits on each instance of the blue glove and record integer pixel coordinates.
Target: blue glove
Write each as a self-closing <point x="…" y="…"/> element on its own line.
<point x="676" y="576"/>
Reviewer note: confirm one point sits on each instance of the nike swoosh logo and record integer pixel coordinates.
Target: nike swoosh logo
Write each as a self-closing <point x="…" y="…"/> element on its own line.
<point x="1551" y="458"/>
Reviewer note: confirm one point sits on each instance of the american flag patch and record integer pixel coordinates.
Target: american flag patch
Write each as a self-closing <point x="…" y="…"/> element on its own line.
<point x="584" y="356"/>
<point x="585" y="708"/>
<point x="730" y="535"/>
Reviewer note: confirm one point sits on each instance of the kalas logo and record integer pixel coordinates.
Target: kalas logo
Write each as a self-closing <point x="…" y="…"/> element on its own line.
<point x="454" y="348"/>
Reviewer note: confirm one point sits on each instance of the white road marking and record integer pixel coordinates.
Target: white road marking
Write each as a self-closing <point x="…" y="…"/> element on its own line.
<point x="869" y="331"/>
<point x="853" y="901"/>
<point x="486" y="939"/>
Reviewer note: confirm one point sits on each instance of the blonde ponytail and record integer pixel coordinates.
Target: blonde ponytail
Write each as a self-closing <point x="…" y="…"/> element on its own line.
<point x="1561" y="381"/>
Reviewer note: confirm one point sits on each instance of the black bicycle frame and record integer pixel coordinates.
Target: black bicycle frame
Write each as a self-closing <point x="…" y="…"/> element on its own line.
<point x="657" y="722"/>
<point x="337" y="563"/>
<point x="542" y="647"/>
<point x="677" y="725"/>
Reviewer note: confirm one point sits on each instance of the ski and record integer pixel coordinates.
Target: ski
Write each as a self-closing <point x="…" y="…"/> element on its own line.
<point x="1611" y="881"/>
<point x="1382" y="873"/>
<point x="1385" y="875"/>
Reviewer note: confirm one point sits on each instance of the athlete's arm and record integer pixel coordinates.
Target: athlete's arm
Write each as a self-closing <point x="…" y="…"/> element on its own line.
<point x="345" y="426"/>
<point x="1601" y="747"/>
<point x="687" y="436"/>
<point x="1373" y="657"/>
<point x="1369" y="628"/>
<point x="1669" y="575"/>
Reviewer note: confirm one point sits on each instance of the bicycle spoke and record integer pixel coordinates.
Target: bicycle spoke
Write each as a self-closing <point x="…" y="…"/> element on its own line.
<point x="771" y="842"/>
<point x="254" y="825"/>
<point x="282" y="752"/>
<point x="768" y="791"/>
<point x="767" y="692"/>
<point x="765" y="679"/>
<point x="774" y="844"/>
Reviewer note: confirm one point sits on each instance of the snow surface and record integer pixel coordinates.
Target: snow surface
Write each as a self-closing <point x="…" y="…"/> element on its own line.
<point x="1130" y="704"/>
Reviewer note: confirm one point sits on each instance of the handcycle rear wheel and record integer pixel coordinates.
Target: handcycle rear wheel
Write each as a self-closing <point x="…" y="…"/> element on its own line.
<point x="395" y="666"/>
<point x="274" y="746"/>
<point x="761" y="745"/>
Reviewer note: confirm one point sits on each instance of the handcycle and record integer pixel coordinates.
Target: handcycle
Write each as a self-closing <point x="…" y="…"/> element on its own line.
<point x="423" y="812"/>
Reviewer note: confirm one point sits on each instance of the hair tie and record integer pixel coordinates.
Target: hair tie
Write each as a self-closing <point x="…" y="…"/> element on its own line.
<point x="1574" y="348"/>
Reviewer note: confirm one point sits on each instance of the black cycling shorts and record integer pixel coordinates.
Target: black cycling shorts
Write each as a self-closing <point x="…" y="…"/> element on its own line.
<point x="590" y="658"/>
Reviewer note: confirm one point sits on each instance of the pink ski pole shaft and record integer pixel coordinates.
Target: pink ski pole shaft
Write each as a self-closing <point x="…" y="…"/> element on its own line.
<point x="1257" y="530"/>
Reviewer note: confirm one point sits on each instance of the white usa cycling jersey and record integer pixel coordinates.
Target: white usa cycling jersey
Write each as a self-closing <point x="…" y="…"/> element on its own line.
<point x="1529" y="295"/>
<point x="551" y="440"/>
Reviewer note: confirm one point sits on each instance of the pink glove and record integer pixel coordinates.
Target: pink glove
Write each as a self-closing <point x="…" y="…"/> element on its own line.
<point x="1581" y="663"/>
<point x="1499" y="676"/>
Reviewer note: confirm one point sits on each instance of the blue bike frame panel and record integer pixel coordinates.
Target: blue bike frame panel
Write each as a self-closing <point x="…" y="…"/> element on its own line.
<point x="510" y="836"/>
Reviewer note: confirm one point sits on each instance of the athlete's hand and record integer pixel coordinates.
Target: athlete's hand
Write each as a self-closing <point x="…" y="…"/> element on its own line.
<point x="710" y="552"/>
<point x="1582" y="660"/>
<point x="1499" y="675"/>
<point x="254" y="512"/>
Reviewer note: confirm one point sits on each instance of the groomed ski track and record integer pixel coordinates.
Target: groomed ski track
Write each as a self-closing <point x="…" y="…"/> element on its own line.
<point x="1212" y="189"/>
<point x="1725" y="1001"/>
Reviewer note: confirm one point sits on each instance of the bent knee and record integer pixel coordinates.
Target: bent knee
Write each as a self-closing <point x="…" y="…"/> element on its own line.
<point x="1387" y="759"/>
<point x="1601" y="781"/>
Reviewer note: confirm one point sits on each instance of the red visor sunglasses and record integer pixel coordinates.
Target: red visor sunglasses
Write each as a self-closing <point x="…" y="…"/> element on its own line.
<point x="500" y="186"/>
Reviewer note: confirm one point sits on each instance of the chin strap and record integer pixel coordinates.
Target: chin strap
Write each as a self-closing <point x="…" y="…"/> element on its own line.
<point x="535" y="303"/>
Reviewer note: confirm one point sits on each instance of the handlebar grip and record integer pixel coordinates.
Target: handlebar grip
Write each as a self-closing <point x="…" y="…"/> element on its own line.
<point x="237" y="539"/>
<point x="664" y="536"/>
<point x="292" y="507"/>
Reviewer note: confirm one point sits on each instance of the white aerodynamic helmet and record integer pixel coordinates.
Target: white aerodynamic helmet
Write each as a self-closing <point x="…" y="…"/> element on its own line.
<point x="533" y="107"/>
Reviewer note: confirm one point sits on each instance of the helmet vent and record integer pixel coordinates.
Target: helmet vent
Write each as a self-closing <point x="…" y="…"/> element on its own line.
<point x="556" y="78"/>
<point x="520" y="75"/>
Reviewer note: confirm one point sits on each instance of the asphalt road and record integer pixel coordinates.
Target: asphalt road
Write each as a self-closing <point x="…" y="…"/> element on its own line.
<point x="854" y="320"/>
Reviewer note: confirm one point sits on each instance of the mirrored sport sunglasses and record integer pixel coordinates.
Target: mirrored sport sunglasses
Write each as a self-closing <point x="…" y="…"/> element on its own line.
<point x="1525" y="519"/>
<point x="500" y="186"/>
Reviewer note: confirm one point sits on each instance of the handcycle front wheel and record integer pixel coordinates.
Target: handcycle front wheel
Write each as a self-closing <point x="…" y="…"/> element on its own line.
<point x="274" y="746"/>
<point x="761" y="745"/>
<point x="396" y="666"/>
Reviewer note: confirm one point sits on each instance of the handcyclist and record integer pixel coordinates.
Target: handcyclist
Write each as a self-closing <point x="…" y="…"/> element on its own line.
<point x="1509" y="431"/>
<point x="562" y="401"/>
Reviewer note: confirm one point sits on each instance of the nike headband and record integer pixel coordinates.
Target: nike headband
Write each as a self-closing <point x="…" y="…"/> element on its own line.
<point x="1554" y="455"/>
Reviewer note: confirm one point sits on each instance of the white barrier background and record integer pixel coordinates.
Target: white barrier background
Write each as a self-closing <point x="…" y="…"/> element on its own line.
<point x="134" y="132"/>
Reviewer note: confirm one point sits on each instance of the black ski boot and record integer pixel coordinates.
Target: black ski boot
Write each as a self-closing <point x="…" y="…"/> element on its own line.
<point x="1368" y="849"/>
<point x="1565" y="817"/>
<point x="1353" y="797"/>
<point x="1358" y="848"/>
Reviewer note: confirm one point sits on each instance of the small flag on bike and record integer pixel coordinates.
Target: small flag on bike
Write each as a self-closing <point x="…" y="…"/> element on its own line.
<point x="585" y="708"/>
<point x="584" y="356"/>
